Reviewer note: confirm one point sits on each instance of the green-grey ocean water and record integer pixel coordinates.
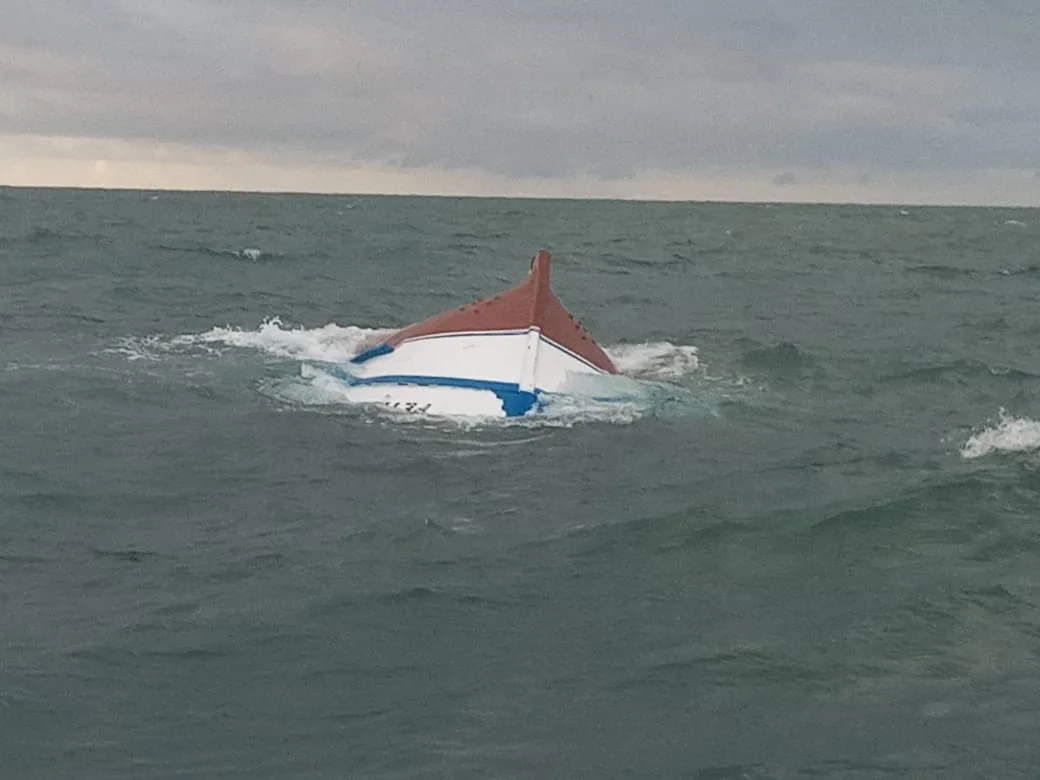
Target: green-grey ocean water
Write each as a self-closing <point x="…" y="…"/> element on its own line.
<point x="810" y="549"/>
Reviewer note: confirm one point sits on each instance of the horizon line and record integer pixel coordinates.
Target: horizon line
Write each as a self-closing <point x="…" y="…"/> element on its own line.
<point x="533" y="197"/>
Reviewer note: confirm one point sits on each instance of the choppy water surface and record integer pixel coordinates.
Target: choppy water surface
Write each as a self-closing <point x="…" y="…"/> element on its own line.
<point x="805" y="544"/>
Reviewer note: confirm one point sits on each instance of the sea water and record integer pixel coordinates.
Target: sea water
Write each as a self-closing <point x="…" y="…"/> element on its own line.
<point x="803" y="542"/>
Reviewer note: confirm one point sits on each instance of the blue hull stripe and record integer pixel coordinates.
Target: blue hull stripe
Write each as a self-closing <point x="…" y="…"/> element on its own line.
<point x="515" y="401"/>
<point x="374" y="352"/>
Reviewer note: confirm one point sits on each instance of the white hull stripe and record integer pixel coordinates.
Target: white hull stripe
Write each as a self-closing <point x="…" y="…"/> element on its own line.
<point x="544" y="338"/>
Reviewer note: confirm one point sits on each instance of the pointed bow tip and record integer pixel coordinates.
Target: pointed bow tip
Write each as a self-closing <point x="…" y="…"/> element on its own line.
<point x="540" y="263"/>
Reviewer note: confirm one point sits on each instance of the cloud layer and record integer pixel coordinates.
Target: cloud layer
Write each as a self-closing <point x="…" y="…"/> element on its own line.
<point x="606" y="95"/>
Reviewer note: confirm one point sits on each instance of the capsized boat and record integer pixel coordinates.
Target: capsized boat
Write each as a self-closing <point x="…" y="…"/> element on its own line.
<point x="497" y="357"/>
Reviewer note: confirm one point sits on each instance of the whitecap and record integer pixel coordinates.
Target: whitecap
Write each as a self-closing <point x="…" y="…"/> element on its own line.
<point x="655" y="359"/>
<point x="328" y="344"/>
<point x="1008" y="435"/>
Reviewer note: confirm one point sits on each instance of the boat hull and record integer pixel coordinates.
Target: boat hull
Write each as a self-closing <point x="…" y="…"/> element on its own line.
<point x="497" y="357"/>
<point x="487" y="374"/>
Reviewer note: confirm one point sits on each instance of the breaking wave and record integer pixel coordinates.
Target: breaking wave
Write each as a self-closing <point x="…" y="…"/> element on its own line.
<point x="655" y="359"/>
<point x="1008" y="435"/>
<point x="328" y="344"/>
<point x="246" y="253"/>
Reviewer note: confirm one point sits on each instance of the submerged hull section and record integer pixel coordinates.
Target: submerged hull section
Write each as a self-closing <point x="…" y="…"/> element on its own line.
<point x="495" y="357"/>
<point x="433" y="400"/>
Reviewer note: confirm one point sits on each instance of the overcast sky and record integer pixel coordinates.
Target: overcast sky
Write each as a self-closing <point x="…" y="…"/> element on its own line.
<point x="863" y="100"/>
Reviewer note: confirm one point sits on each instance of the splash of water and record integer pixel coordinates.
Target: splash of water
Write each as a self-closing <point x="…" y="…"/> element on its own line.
<point x="1008" y="435"/>
<point x="328" y="344"/>
<point x="648" y="385"/>
<point x="656" y="359"/>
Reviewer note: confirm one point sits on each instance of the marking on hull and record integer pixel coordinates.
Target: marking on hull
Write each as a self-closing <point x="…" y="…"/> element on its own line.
<point x="515" y="401"/>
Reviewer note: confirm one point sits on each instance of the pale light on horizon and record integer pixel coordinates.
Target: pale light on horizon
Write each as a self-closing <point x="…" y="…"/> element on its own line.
<point x="89" y="163"/>
<point x="746" y="101"/>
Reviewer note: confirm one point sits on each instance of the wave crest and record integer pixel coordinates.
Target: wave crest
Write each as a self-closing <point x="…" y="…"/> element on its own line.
<point x="655" y="359"/>
<point x="1008" y="435"/>
<point x="328" y="344"/>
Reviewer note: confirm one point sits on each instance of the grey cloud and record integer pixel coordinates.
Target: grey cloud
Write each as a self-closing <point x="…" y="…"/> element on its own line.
<point x="539" y="88"/>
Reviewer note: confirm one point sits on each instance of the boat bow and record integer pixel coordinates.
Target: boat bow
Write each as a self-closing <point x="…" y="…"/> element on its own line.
<point x="516" y="345"/>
